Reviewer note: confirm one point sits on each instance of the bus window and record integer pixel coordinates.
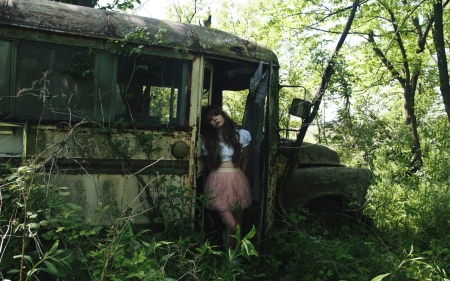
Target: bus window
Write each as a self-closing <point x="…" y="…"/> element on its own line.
<point x="52" y="83"/>
<point x="5" y="78"/>
<point x="206" y="93"/>
<point x="151" y="90"/>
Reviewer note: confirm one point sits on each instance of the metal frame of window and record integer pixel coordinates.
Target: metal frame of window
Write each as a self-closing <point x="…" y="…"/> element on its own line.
<point x="24" y="127"/>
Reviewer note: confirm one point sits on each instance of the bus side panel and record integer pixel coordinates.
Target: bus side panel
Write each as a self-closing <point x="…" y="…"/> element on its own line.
<point x="108" y="198"/>
<point x="98" y="144"/>
<point x="115" y="168"/>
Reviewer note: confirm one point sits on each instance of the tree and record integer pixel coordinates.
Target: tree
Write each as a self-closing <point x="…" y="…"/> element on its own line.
<point x="438" y="36"/>
<point x="408" y="78"/>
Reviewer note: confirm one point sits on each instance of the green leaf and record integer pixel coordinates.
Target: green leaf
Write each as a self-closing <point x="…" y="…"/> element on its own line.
<point x="52" y="249"/>
<point x="168" y="256"/>
<point x="51" y="268"/>
<point x="33" y="225"/>
<point x="75" y="207"/>
<point x="31" y="272"/>
<point x="31" y="215"/>
<point x="28" y="258"/>
<point x="97" y="228"/>
<point x="380" y="277"/>
<point x="247" y="249"/>
<point x="251" y="233"/>
<point x="152" y="245"/>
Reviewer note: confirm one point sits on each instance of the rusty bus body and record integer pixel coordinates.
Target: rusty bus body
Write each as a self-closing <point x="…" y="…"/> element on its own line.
<point x="112" y="103"/>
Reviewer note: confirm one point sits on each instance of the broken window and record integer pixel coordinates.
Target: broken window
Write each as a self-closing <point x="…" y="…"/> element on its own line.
<point x="53" y="83"/>
<point x="152" y="89"/>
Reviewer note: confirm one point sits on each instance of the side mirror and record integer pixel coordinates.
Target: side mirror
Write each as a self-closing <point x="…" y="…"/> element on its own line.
<point x="300" y="108"/>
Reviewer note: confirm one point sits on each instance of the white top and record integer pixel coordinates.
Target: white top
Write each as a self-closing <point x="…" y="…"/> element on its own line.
<point x="226" y="152"/>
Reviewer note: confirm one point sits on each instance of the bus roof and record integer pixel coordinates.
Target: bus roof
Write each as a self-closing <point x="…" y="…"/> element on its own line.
<point x="54" y="17"/>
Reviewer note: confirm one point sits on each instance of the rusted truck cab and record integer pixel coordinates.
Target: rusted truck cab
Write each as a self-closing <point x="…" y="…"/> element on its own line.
<point x="321" y="183"/>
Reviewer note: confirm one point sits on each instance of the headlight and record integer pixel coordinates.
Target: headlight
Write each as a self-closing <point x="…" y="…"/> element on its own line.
<point x="180" y="149"/>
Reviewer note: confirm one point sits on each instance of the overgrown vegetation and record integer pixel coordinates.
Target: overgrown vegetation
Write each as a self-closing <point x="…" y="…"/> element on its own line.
<point x="403" y="237"/>
<point x="46" y="238"/>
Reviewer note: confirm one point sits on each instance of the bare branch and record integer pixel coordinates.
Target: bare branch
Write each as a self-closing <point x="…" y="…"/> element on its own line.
<point x="338" y="11"/>
<point x="422" y="36"/>
<point x="385" y="60"/>
<point x="146" y="167"/>
<point x="332" y="32"/>
<point x="399" y="40"/>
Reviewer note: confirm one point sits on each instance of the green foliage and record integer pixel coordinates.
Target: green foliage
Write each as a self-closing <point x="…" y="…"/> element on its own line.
<point x="405" y="238"/>
<point x="55" y="241"/>
<point x="81" y="65"/>
<point x="30" y="210"/>
<point x="136" y="40"/>
<point x="121" y="5"/>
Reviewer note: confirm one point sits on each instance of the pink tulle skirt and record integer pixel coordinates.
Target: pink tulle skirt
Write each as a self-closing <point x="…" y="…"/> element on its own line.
<point x="229" y="190"/>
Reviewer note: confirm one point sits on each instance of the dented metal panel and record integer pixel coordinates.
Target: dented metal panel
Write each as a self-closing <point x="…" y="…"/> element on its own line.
<point x="311" y="154"/>
<point x="340" y="183"/>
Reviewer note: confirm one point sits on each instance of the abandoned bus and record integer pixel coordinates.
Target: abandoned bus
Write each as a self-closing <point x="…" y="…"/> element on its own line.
<point x="111" y="103"/>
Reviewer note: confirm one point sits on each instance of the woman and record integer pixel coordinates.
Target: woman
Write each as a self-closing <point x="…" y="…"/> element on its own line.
<point x="225" y="150"/>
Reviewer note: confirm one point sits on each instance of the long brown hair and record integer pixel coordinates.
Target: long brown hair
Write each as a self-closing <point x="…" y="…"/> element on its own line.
<point x="230" y="136"/>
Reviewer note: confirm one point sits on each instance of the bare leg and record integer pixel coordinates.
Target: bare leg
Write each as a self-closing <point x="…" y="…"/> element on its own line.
<point x="231" y="224"/>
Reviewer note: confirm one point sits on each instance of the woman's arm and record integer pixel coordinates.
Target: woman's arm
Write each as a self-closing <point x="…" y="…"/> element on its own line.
<point x="244" y="159"/>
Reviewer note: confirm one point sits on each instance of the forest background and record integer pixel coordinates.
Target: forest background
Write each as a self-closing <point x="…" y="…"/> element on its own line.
<point x="386" y="109"/>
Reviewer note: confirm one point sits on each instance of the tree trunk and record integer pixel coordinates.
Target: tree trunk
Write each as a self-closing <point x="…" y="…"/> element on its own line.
<point x="409" y="92"/>
<point x="408" y="81"/>
<point x="438" y="37"/>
